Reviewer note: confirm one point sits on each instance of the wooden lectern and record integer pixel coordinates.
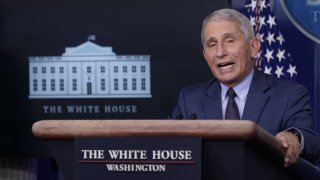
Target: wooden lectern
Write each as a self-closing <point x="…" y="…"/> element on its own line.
<point x="230" y="149"/>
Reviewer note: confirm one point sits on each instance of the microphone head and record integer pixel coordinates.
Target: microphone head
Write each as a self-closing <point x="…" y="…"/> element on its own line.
<point x="193" y="116"/>
<point x="179" y="116"/>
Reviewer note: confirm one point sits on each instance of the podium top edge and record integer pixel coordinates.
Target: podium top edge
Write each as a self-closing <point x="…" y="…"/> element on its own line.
<point x="68" y="129"/>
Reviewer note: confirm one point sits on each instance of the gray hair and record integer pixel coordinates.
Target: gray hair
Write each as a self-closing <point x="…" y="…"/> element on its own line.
<point x="233" y="16"/>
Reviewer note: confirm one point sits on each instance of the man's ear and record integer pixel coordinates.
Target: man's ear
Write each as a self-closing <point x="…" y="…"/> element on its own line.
<point x="254" y="47"/>
<point x="204" y="54"/>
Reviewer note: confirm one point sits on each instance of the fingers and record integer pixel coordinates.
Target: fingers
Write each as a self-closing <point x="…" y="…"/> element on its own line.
<point x="291" y="154"/>
<point x="284" y="141"/>
<point x="290" y="142"/>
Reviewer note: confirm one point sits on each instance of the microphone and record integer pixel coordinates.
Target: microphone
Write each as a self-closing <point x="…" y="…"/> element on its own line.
<point x="193" y="116"/>
<point x="179" y="116"/>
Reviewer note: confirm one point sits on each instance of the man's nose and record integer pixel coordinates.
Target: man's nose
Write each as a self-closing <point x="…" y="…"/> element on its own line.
<point x="221" y="50"/>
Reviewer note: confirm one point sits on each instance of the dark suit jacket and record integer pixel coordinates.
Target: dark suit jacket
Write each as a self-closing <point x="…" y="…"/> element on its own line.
<point x="274" y="104"/>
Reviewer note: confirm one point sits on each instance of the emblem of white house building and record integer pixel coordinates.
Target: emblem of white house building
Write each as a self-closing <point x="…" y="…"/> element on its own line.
<point x="89" y="71"/>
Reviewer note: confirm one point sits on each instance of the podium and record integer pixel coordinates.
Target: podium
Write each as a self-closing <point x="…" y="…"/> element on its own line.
<point x="231" y="149"/>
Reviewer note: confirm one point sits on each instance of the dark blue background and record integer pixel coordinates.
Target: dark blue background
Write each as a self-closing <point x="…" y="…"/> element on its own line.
<point x="167" y="30"/>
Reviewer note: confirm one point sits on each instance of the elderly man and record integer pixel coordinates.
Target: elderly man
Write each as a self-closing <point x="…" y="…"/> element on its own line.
<point x="241" y="92"/>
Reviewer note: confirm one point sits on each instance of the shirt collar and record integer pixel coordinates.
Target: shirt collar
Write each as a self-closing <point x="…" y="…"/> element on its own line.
<point x="241" y="89"/>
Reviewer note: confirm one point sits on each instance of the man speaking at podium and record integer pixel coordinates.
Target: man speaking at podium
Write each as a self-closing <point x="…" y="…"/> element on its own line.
<point x="241" y="92"/>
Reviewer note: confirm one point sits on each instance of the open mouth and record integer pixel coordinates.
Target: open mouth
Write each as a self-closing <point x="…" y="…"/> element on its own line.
<point x="225" y="65"/>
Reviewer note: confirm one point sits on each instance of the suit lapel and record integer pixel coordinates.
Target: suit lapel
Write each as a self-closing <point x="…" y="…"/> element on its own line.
<point x="212" y="102"/>
<point x="256" y="99"/>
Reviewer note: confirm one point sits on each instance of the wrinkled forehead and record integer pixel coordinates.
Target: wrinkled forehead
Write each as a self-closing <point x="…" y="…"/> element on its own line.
<point x="236" y="22"/>
<point x="222" y="26"/>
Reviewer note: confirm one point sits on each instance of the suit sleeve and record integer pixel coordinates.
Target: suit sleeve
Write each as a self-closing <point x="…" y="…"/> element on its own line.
<point x="299" y="115"/>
